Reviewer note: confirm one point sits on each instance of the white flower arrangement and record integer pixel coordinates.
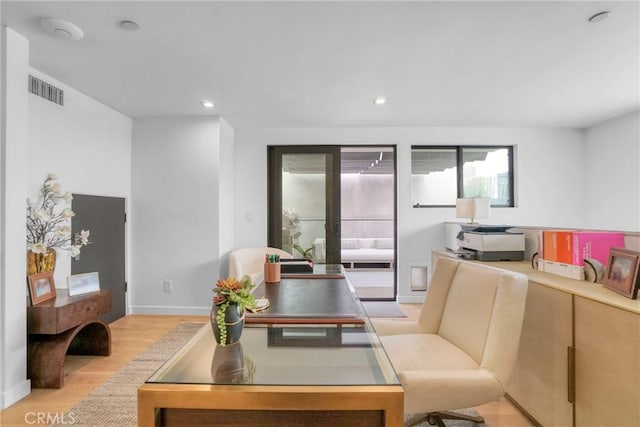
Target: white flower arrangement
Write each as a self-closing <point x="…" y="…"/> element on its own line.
<point x="48" y="225"/>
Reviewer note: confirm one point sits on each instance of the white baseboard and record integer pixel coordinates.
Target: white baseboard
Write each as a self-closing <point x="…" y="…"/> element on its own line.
<point x="160" y="309"/>
<point x="410" y="299"/>
<point x="15" y="393"/>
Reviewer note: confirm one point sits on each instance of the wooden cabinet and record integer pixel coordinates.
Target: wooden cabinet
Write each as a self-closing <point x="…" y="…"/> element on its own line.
<point x="540" y="382"/>
<point x="65" y="325"/>
<point x="607" y="364"/>
<point x="579" y="357"/>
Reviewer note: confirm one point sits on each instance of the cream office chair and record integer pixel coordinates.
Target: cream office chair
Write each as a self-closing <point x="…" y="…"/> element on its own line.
<point x="250" y="261"/>
<point x="462" y="349"/>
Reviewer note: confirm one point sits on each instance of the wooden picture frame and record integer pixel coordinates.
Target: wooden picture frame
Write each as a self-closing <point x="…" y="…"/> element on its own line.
<point x="622" y="272"/>
<point x="41" y="287"/>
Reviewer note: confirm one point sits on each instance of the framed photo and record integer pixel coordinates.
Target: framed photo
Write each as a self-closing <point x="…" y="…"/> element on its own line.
<point x="83" y="283"/>
<point x="622" y="272"/>
<point x="41" y="287"/>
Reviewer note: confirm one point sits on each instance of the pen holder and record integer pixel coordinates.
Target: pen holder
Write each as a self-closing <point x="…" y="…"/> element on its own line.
<point x="271" y="272"/>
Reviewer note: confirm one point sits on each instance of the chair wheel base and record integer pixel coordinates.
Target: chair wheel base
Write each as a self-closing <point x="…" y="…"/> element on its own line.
<point x="436" y="418"/>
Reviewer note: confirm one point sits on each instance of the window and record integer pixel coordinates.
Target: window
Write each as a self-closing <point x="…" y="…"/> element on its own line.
<point x="440" y="175"/>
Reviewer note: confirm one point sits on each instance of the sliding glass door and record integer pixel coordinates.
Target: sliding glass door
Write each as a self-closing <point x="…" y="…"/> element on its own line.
<point x="304" y="201"/>
<point x="368" y="230"/>
<point x="337" y="204"/>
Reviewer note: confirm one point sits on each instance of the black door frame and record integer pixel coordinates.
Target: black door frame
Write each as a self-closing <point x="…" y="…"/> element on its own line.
<point x="332" y="192"/>
<point x="274" y="199"/>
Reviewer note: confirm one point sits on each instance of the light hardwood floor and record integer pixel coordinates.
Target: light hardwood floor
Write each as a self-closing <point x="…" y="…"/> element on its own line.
<point x="133" y="334"/>
<point x="130" y="336"/>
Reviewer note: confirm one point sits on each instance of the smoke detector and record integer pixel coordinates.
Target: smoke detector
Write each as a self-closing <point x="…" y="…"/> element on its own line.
<point x="599" y="17"/>
<point x="62" y="28"/>
<point x="129" y="25"/>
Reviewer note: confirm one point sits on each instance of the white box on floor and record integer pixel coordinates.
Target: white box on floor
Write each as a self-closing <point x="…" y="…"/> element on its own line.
<point x="418" y="277"/>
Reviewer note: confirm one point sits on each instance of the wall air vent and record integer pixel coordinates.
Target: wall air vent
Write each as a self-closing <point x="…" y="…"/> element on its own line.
<point x="45" y="90"/>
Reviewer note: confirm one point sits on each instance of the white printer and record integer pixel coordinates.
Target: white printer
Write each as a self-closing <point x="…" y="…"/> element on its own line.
<point x="492" y="242"/>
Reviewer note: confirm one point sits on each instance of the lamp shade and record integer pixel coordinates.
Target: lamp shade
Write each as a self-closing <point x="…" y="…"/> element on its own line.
<point x="464" y="208"/>
<point x="473" y="208"/>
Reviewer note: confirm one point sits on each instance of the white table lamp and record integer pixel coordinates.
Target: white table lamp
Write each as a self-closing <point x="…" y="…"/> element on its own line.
<point x="473" y="208"/>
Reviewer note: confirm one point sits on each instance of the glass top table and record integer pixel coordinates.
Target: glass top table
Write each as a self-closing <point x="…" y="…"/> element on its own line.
<point x="292" y="373"/>
<point x="282" y="356"/>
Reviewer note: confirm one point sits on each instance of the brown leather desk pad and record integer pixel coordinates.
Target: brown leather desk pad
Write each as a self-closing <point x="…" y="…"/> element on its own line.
<point x="307" y="301"/>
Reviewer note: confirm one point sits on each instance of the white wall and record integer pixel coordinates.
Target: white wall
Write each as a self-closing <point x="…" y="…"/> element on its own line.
<point x="548" y="178"/>
<point x="84" y="142"/>
<point x="3" y="50"/>
<point x="226" y="179"/>
<point x="13" y="162"/>
<point x="88" y="145"/>
<point x="612" y="174"/>
<point x="175" y="217"/>
<point x="366" y="196"/>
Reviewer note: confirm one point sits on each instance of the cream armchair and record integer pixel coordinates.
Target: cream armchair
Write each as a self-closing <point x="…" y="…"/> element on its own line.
<point x="250" y="261"/>
<point x="462" y="349"/>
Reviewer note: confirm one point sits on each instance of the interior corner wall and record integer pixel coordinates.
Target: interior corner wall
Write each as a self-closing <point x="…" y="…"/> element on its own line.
<point x="226" y="180"/>
<point x="548" y="182"/>
<point x="3" y="250"/>
<point x="14" y="384"/>
<point x="85" y="143"/>
<point x="175" y="213"/>
<point x="612" y="174"/>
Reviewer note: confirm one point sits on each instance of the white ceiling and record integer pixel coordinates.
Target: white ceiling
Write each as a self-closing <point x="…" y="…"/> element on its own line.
<point x="320" y="64"/>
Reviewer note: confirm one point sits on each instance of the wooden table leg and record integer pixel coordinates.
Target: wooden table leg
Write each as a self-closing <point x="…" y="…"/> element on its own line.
<point x="47" y="352"/>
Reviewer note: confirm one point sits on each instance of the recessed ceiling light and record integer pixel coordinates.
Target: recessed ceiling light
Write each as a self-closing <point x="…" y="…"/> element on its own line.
<point x="598" y="17"/>
<point x="62" y="28"/>
<point x="379" y="100"/>
<point x="129" y="25"/>
<point x="207" y="104"/>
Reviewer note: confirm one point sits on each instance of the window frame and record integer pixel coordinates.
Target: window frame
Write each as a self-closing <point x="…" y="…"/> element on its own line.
<point x="460" y="170"/>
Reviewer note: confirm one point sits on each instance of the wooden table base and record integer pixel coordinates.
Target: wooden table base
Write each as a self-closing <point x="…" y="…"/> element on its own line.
<point x="190" y="404"/>
<point x="46" y="352"/>
<point x="210" y="417"/>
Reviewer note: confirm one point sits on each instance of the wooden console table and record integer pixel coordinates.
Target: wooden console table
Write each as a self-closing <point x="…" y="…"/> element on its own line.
<point x="65" y="325"/>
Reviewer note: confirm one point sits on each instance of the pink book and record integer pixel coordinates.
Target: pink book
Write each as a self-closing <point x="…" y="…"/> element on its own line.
<point x="595" y="244"/>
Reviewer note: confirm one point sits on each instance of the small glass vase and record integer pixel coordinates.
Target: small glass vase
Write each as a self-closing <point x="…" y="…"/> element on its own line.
<point x="234" y="323"/>
<point x="41" y="263"/>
